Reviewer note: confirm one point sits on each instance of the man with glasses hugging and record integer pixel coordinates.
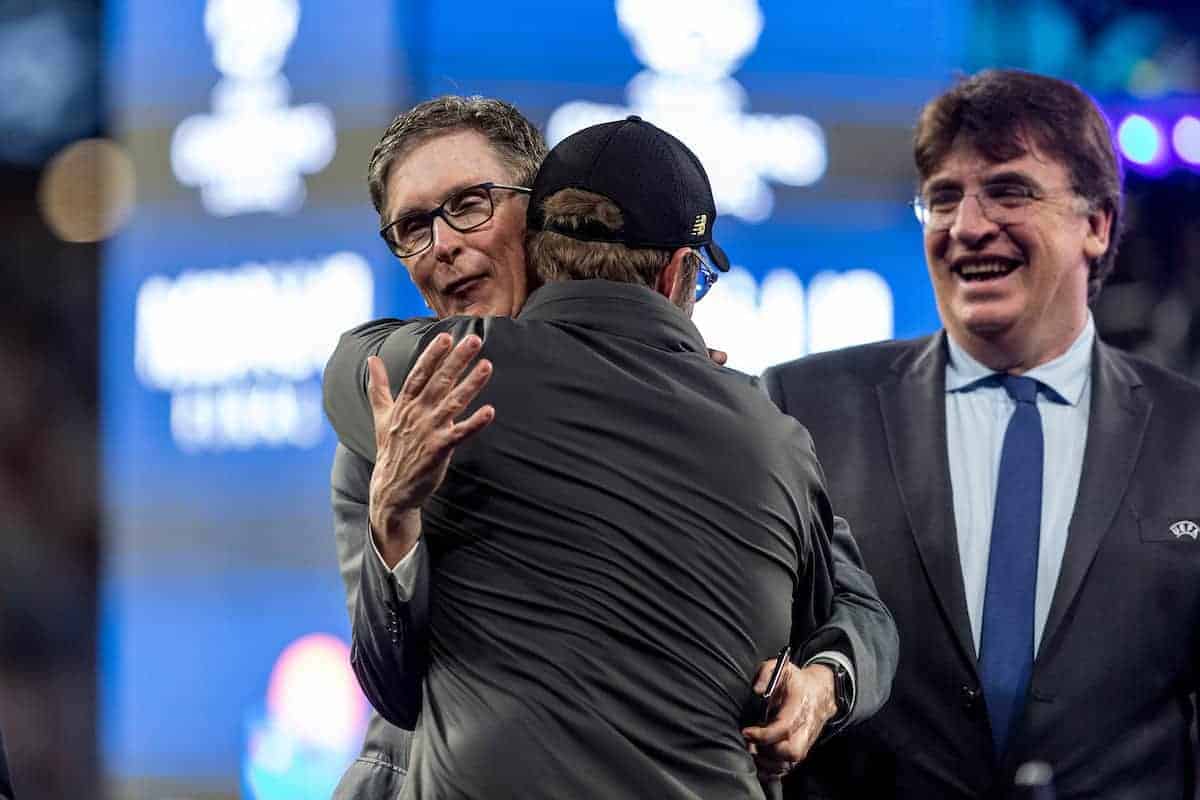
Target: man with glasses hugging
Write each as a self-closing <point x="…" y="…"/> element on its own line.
<point x="1026" y="496"/>
<point x="449" y="178"/>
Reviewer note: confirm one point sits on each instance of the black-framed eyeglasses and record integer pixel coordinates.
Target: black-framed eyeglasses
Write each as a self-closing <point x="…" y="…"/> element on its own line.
<point x="706" y="276"/>
<point x="1001" y="203"/>
<point x="465" y="210"/>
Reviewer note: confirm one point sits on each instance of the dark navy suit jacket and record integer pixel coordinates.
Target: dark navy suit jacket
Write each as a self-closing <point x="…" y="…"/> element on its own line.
<point x="1111" y="700"/>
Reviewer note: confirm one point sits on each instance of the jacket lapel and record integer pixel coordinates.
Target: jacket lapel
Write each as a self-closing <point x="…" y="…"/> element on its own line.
<point x="1116" y="424"/>
<point x="912" y="401"/>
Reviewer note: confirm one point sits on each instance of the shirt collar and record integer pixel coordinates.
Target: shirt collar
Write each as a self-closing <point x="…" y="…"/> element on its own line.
<point x="1066" y="375"/>
<point x="624" y="309"/>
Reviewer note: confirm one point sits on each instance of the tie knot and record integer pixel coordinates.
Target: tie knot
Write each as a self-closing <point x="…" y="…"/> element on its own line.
<point x="1020" y="388"/>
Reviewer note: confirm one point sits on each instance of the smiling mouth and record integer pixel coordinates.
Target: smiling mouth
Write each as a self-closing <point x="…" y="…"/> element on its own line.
<point x="979" y="271"/>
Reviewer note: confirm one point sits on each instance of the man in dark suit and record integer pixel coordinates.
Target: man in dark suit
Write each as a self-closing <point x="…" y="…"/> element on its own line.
<point x="1026" y="497"/>
<point x="606" y="586"/>
<point x="428" y="154"/>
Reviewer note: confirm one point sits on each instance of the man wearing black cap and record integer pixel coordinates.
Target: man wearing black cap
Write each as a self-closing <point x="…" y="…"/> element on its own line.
<point x="583" y="638"/>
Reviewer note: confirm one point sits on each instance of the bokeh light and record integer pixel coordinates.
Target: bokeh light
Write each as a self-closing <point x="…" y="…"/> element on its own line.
<point x="313" y="693"/>
<point x="87" y="190"/>
<point x="1140" y="139"/>
<point x="1186" y="139"/>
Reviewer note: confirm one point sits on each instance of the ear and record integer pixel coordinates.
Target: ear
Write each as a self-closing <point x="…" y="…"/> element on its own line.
<point x="668" y="279"/>
<point x="1100" y="222"/>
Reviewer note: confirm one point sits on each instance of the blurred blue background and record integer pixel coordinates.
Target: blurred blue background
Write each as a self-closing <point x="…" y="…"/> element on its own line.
<point x="227" y="238"/>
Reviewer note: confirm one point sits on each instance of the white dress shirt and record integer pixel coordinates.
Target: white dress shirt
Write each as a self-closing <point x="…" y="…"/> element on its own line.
<point x="977" y="415"/>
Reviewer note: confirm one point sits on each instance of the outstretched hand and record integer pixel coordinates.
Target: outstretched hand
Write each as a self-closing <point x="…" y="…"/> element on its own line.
<point x="416" y="433"/>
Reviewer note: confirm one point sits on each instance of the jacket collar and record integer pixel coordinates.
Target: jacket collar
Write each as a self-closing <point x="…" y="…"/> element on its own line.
<point x="623" y="309"/>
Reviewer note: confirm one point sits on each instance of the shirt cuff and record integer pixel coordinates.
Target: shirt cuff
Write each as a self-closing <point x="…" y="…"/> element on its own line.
<point x="404" y="574"/>
<point x="834" y="657"/>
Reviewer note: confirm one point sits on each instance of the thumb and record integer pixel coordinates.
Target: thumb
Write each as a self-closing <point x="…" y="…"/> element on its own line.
<point x="764" y="676"/>
<point x="379" y="392"/>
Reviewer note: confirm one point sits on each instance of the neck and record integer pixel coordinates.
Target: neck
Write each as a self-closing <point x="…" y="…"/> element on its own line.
<point x="1010" y="351"/>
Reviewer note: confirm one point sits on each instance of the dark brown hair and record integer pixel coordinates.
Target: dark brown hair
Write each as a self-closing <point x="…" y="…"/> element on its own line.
<point x="515" y="139"/>
<point x="555" y="257"/>
<point x="1001" y="112"/>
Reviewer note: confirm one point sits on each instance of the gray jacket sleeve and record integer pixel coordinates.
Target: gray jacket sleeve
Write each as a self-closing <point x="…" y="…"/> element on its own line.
<point x="860" y="625"/>
<point x="389" y="635"/>
<point x="350" y="481"/>
<point x="387" y="648"/>
<point x="380" y="771"/>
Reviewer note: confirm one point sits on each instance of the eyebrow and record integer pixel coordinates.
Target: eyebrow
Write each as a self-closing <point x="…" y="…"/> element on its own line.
<point x="1012" y="176"/>
<point x="1009" y="176"/>
<point x="455" y="189"/>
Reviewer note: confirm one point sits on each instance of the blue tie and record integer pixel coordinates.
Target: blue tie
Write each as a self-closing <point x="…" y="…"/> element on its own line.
<point x="1006" y="649"/>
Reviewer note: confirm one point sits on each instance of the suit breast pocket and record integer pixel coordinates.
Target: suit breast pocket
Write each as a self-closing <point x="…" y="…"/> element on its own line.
<point x="1181" y="528"/>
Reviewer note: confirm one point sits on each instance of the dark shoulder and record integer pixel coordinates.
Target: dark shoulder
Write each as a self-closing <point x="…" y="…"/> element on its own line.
<point x="867" y="363"/>
<point x="1164" y="386"/>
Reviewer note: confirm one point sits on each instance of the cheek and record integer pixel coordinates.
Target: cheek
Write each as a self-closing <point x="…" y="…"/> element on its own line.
<point x="935" y="245"/>
<point x="422" y="278"/>
<point x="935" y="250"/>
<point x="418" y="276"/>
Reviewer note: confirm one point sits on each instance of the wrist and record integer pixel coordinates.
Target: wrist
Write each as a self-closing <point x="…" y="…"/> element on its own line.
<point x="839" y="683"/>
<point x="396" y="534"/>
<point x="824" y="675"/>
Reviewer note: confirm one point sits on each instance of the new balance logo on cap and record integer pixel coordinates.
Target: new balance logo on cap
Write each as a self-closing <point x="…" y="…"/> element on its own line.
<point x="1185" y="527"/>
<point x="700" y="224"/>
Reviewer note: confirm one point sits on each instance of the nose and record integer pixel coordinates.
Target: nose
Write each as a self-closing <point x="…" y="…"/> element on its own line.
<point x="447" y="242"/>
<point x="971" y="225"/>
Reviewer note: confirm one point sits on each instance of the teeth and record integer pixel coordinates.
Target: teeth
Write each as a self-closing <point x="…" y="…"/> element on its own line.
<point x="985" y="268"/>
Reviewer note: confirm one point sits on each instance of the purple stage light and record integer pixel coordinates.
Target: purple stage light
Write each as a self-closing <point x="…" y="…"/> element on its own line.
<point x="1140" y="140"/>
<point x="1186" y="139"/>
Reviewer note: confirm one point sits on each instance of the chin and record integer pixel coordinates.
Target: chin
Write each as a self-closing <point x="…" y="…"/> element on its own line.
<point x="483" y="309"/>
<point x="989" y="325"/>
<point x="988" y="318"/>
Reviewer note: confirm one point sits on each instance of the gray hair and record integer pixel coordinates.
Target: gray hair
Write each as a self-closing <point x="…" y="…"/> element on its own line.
<point x="515" y="139"/>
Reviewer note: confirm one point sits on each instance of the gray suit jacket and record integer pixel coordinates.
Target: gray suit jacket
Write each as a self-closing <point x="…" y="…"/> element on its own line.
<point x="860" y="626"/>
<point x="614" y="556"/>
<point x="1114" y="681"/>
<point x="378" y="772"/>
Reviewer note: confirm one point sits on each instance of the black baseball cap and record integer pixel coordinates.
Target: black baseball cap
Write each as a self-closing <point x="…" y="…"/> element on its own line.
<point x="660" y="186"/>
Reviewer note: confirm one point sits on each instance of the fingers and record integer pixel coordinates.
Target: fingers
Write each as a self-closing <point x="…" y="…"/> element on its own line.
<point x="426" y="365"/>
<point x="719" y="357"/>
<point x="471" y="425"/>
<point x="764" y="675"/>
<point x="785" y="739"/>
<point x="778" y="730"/>
<point x="773" y="767"/>
<point x="771" y="763"/>
<point x="448" y="370"/>
<point x="794" y="725"/>
<point x="461" y="395"/>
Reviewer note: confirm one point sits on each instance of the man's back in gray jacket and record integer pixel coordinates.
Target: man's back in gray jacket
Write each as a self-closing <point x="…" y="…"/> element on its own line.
<point x="613" y="556"/>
